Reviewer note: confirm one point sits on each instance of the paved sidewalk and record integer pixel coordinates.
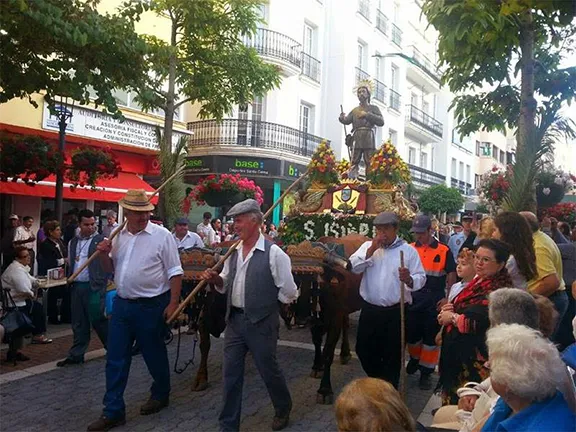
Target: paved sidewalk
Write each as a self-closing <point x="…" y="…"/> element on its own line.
<point x="67" y="399"/>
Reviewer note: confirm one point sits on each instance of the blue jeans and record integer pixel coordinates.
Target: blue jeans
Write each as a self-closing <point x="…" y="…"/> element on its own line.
<point x="141" y="321"/>
<point x="560" y="300"/>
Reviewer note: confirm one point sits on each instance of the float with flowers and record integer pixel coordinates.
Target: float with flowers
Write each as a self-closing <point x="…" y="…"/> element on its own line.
<point x="334" y="205"/>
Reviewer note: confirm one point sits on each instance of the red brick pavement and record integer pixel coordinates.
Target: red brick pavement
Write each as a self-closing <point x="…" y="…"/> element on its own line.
<point x="40" y="354"/>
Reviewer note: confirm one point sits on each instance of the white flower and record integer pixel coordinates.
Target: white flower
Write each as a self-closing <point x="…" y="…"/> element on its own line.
<point x="309" y="229"/>
<point x="364" y="229"/>
<point x="558" y="181"/>
<point x="546" y="191"/>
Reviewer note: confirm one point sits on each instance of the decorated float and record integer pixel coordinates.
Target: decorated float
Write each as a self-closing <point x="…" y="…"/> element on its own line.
<point x="331" y="204"/>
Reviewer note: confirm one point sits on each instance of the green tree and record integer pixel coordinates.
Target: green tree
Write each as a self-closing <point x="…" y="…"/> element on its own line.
<point x="67" y="48"/>
<point x="440" y="199"/>
<point x="484" y="46"/>
<point x="205" y="61"/>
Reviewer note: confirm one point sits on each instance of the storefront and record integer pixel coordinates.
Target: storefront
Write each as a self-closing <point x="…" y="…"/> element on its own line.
<point x="272" y="175"/>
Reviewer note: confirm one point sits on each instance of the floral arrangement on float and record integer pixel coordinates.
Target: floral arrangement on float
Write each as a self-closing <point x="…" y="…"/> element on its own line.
<point x="493" y="186"/>
<point x="343" y="167"/>
<point x="552" y="185"/>
<point x="223" y="190"/>
<point x="90" y="164"/>
<point x="563" y="212"/>
<point x="303" y="227"/>
<point x="387" y="169"/>
<point x="322" y="170"/>
<point x="28" y="158"/>
<point x="31" y="159"/>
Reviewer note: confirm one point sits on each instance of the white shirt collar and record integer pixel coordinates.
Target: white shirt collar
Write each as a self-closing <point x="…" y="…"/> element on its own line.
<point x="260" y="243"/>
<point x="150" y="227"/>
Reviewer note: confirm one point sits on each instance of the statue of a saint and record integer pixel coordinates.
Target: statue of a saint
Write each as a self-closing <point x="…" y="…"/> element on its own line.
<point x="364" y="118"/>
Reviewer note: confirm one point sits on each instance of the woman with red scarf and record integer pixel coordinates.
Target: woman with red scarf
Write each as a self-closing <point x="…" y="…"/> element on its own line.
<point x="466" y="321"/>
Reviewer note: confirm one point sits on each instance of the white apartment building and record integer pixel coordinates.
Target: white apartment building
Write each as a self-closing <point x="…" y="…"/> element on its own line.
<point x="323" y="48"/>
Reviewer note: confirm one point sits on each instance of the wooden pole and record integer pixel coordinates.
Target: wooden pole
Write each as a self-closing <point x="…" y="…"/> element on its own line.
<point x="121" y="227"/>
<point x="218" y="265"/>
<point x="402" y="385"/>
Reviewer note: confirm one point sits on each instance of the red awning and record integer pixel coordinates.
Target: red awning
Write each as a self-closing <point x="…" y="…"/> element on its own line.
<point x="110" y="190"/>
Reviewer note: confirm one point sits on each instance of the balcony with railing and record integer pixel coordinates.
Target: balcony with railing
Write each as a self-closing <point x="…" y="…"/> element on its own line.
<point x="364" y="8"/>
<point x="311" y="67"/>
<point x="361" y="75"/>
<point x="423" y="72"/>
<point x="382" y="22"/>
<point x="462" y="186"/>
<point x="397" y="35"/>
<point x="252" y="133"/>
<point x="394" y="100"/>
<point x="424" y="177"/>
<point x="422" y="126"/>
<point x="380" y="92"/>
<point x="277" y="48"/>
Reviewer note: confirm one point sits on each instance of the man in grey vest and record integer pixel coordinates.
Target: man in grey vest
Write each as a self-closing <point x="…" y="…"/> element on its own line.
<point x="254" y="278"/>
<point x="88" y="291"/>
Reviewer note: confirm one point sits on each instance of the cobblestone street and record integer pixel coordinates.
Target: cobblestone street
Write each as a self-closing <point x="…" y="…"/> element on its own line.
<point x="70" y="398"/>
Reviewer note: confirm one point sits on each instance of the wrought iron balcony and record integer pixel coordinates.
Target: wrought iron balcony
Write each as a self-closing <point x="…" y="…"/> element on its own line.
<point x="397" y="35"/>
<point x="382" y="22"/>
<point x="462" y="186"/>
<point x="426" y="64"/>
<point x="269" y="43"/>
<point x="364" y="8"/>
<point x="311" y="67"/>
<point x="419" y="117"/>
<point x="251" y="133"/>
<point x="361" y="75"/>
<point x="425" y="177"/>
<point x="394" y="100"/>
<point x="379" y="91"/>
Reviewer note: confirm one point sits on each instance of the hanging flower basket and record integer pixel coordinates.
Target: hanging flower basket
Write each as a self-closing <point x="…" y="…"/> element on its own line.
<point x="28" y="158"/>
<point x="493" y="186"/>
<point x="224" y="190"/>
<point x="551" y="186"/>
<point x="90" y="164"/>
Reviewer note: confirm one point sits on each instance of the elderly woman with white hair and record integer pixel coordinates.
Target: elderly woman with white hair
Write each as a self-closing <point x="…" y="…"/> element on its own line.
<point x="526" y="371"/>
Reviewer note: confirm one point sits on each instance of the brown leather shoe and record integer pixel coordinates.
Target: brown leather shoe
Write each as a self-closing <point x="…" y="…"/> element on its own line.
<point x="280" y="422"/>
<point x="104" y="424"/>
<point x="153" y="406"/>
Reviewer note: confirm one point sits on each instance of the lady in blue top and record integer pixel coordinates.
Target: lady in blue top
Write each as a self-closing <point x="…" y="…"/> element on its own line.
<point x="526" y="371"/>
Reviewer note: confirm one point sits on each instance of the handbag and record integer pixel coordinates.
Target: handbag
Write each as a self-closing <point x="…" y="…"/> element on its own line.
<point x="15" y="322"/>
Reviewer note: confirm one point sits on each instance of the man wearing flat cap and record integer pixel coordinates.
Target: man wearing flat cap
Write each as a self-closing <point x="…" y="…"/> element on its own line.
<point x="422" y="322"/>
<point x="148" y="277"/>
<point x="255" y="277"/>
<point x="378" y="260"/>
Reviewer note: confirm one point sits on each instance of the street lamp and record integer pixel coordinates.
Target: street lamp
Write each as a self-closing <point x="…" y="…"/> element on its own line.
<point x="64" y="111"/>
<point x="409" y="59"/>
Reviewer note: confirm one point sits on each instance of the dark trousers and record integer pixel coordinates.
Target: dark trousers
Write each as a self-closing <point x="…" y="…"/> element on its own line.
<point x="560" y="300"/>
<point x="261" y="340"/>
<point x="421" y="330"/>
<point x="141" y="321"/>
<point x="86" y="311"/>
<point x="378" y="342"/>
<point x="64" y="312"/>
<point x="35" y="311"/>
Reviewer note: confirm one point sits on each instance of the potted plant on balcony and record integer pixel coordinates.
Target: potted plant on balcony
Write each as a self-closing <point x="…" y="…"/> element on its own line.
<point x="28" y="158"/>
<point x="89" y="164"/>
<point x="387" y="169"/>
<point x="224" y="190"/>
<point x="322" y="167"/>
<point x="551" y="186"/>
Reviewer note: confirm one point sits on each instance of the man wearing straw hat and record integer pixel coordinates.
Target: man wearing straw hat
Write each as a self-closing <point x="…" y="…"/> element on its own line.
<point x="148" y="277"/>
<point x="255" y="277"/>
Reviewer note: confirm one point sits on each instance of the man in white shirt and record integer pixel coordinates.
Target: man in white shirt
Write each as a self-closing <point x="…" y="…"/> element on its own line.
<point x="24" y="237"/>
<point x="378" y="338"/>
<point x="254" y="278"/>
<point x="88" y="290"/>
<point x="184" y="238"/>
<point x="148" y="277"/>
<point x="205" y="230"/>
<point x="111" y="224"/>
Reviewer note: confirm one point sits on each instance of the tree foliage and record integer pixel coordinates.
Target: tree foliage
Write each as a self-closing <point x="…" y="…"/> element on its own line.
<point x="204" y="61"/>
<point x="440" y="199"/>
<point x="67" y="48"/>
<point x="485" y="46"/>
